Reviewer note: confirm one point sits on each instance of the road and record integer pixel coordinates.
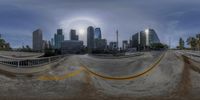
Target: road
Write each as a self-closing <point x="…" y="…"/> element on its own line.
<point x="173" y="77"/>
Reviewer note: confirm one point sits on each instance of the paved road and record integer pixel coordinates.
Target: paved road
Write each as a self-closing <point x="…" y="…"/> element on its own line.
<point x="172" y="78"/>
<point x="135" y="73"/>
<point x="119" y="67"/>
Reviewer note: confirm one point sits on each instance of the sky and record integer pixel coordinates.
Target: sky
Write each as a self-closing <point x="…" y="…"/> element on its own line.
<point x="171" y="19"/>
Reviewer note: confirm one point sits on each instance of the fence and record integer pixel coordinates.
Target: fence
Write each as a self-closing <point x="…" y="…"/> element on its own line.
<point x="27" y="63"/>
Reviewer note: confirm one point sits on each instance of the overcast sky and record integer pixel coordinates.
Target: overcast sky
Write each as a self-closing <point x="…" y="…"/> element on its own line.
<point x="171" y="19"/>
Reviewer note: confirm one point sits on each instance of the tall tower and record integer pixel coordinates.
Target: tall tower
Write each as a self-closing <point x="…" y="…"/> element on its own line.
<point x="58" y="38"/>
<point x="37" y="40"/>
<point x="117" y="39"/>
<point x="90" y="38"/>
<point x="97" y="33"/>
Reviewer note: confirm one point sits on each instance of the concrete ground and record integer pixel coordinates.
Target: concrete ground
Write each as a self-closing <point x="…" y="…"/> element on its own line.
<point x="12" y="54"/>
<point x="173" y="77"/>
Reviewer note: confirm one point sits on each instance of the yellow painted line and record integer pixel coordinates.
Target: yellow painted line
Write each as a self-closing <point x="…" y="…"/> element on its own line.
<point x="153" y="65"/>
<point x="68" y="75"/>
<point x="76" y="72"/>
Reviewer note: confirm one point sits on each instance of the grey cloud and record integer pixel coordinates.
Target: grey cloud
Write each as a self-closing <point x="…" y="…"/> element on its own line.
<point x="168" y="17"/>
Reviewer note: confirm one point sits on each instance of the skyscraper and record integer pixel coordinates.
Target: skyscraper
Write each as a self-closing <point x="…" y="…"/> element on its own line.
<point x="59" y="31"/>
<point x="90" y="38"/>
<point x="152" y="37"/>
<point x="73" y="35"/>
<point x="117" y="34"/>
<point x="138" y="40"/>
<point x="58" y="38"/>
<point x="144" y="39"/>
<point x="97" y="33"/>
<point x="37" y="40"/>
<point x="52" y="42"/>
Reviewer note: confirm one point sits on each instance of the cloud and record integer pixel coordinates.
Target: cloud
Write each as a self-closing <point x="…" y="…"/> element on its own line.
<point x="169" y="18"/>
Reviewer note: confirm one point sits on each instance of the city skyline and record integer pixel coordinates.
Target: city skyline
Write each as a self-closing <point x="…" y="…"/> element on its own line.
<point x="171" y="19"/>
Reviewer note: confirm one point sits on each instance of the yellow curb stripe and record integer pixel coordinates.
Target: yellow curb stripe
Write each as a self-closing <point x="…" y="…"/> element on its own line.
<point x="127" y="77"/>
<point x="68" y="75"/>
<point x="74" y="73"/>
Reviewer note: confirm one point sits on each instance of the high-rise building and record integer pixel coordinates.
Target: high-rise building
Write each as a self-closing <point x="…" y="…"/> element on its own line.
<point x="90" y="38"/>
<point x="117" y="34"/>
<point x="58" y="39"/>
<point x="152" y="37"/>
<point x="144" y="39"/>
<point x="45" y="45"/>
<point x="99" y="43"/>
<point x="73" y="35"/>
<point x="97" y="33"/>
<point x="52" y="42"/>
<point x="124" y="44"/>
<point x="130" y="43"/>
<point x="138" y="40"/>
<point x="135" y="40"/>
<point x="37" y="40"/>
<point x="59" y="31"/>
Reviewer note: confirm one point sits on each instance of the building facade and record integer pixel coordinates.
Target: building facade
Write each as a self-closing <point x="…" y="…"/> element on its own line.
<point x="97" y="33"/>
<point x="153" y="37"/>
<point x="124" y="44"/>
<point x="90" y="38"/>
<point x="37" y="40"/>
<point x="52" y="42"/>
<point x="45" y="44"/>
<point x="113" y="46"/>
<point x="73" y="35"/>
<point x="72" y="47"/>
<point x="144" y="39"/>
<point x="58" y="39"/>
<point x="100" y="44"/>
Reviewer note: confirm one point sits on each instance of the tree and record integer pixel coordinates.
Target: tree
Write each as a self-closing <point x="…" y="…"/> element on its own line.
<point x="28" y="48"/>
<point x="4" y="45"/>
<point x="198" y="41"/>
<point x="158" y="46"/>
<point x="181" y="43"/>
<point x="192" y="42"/>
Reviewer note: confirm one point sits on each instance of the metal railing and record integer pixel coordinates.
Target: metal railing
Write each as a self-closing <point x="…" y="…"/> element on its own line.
<point x="27" y="63"/>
